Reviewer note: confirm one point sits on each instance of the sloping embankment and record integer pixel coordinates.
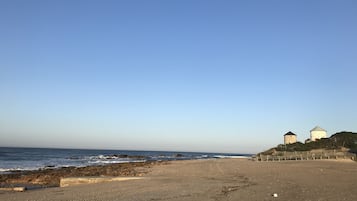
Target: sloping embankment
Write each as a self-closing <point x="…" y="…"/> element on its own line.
<point x="318" y="154"/>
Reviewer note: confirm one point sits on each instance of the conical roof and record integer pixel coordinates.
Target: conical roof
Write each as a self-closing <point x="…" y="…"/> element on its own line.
<point x="317" y="128"/>
<point x="289" y="133"/>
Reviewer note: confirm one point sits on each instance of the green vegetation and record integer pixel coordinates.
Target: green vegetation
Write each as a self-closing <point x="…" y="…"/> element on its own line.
<point x="337" y="141"/>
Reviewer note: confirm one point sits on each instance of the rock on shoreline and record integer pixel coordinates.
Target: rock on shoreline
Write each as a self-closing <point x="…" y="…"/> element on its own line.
<point x="51" y="177"/>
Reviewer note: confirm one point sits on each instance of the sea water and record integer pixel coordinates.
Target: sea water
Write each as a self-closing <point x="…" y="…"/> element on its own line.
<point x="19" y="159"/>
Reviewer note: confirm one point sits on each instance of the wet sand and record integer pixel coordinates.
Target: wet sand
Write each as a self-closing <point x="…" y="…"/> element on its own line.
<point x="221" y="179"/>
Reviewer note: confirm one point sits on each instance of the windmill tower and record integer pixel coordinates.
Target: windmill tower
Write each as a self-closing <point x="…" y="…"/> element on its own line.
<point x="317" y="133"/>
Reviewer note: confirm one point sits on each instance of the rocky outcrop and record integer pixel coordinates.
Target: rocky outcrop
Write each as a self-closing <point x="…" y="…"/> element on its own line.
<point x="51" y="177"/>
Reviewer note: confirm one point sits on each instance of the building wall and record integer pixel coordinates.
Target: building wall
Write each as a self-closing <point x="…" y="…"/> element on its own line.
<point x="289" y="139"/>
<point x="314" y="135"/>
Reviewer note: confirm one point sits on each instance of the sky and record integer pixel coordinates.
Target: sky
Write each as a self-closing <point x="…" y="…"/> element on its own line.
<point x="175" y="75"/>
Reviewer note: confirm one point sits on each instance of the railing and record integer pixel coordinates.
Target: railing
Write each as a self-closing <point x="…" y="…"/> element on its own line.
<point x="305" y="155"/>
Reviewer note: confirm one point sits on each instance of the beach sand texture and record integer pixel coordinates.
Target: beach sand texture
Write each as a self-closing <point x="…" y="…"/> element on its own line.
<point x="221" y="179"/>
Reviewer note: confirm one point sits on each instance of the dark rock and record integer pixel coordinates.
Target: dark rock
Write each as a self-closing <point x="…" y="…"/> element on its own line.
<point x="179" y="155"/>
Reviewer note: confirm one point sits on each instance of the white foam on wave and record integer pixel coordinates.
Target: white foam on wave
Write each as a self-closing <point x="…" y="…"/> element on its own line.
<point x="16" y="169"/>
<point x="4" y="170"/>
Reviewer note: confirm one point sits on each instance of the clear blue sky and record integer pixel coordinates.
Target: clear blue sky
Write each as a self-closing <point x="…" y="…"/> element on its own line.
<point x="215" y="76"/>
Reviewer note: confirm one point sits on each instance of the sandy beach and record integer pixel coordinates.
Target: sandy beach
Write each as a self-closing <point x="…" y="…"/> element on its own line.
<point x="220" y="179"/>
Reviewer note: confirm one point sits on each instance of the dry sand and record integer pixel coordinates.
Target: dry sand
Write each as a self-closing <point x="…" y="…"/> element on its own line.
<point x="221" y="179"/>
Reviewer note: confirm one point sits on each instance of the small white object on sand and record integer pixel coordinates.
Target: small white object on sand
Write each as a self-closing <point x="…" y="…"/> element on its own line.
<point x="275" y="195"/>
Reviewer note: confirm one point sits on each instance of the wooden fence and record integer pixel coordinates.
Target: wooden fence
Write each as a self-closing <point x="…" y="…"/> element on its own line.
<point x="305" y="155"/>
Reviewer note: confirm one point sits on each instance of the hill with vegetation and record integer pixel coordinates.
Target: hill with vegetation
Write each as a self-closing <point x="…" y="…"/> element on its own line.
<point x="342" y="140"/>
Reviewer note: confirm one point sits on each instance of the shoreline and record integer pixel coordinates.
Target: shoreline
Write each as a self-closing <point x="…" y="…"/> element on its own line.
<point x="17" y="159"/>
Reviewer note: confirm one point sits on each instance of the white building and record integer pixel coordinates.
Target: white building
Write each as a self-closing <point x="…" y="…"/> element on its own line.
<point x="317" y="133"/>
<point x="290" y="138"/>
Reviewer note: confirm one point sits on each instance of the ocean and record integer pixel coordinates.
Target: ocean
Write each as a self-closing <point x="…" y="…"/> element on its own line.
<point x="21" y="159"/>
